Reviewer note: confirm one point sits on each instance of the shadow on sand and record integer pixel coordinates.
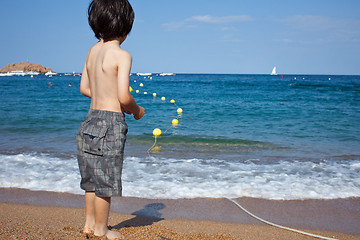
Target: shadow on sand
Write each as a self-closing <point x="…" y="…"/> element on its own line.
<point x="143" y="217"/>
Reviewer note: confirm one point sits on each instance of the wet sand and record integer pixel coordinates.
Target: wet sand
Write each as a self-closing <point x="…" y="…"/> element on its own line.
<point x="49" y="215"/>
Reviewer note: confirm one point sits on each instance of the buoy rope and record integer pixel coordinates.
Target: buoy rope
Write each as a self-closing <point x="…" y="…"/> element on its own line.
<point x="279" y="226"/>
<point x="176" y="104"/>
<point x="152" y="145"/>
<point x="168" y="129"/>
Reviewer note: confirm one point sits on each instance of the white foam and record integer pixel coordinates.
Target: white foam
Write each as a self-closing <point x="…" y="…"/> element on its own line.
<point x="39" y="172"/>
<point x="150" y="177"/>
<point x="216" y="178"/>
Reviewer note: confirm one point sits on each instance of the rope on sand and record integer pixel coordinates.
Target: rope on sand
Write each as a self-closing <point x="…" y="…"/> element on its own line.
<point x="279" y="226"/>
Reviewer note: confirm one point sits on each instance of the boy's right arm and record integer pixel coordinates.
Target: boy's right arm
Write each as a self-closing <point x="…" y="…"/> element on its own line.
<point x="126" y="100"/>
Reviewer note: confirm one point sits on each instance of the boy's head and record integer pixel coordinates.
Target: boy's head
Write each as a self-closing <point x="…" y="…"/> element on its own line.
<point x="110" y="19"/>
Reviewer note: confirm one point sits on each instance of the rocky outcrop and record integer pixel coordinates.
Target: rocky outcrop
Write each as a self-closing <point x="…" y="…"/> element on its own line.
<point x="26" y="67"/>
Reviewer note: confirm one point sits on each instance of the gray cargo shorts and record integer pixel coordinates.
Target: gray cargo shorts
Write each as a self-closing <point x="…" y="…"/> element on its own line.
<point x="100" y="152"/>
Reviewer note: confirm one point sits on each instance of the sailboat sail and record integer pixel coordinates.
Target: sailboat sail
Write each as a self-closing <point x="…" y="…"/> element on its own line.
<point x="274" y="71"/>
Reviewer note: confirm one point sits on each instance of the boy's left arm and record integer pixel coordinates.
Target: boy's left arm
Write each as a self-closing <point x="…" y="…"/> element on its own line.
<point x="85" y="84"/>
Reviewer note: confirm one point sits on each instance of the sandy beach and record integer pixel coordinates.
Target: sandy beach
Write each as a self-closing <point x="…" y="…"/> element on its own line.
<point x="47" y="215"/>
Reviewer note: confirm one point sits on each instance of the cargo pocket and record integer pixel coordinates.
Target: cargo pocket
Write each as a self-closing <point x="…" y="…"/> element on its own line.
<point x="94" y="138"/>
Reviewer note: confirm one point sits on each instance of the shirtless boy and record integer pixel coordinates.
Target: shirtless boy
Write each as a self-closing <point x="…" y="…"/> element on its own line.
<point x="101" y="136"/>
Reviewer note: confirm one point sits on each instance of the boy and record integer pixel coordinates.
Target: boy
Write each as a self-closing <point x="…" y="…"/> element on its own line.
<point x="101" y="136"/>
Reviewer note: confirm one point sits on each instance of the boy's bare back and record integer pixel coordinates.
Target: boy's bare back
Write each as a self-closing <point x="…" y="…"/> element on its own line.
<point x="105" y="79"/>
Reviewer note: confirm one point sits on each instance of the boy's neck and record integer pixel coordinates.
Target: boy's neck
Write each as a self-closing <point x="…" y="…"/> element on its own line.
<point x="117" y="41"/>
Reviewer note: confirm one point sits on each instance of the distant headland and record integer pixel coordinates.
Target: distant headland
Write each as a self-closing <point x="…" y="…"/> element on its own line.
<point x="25" y="67"/>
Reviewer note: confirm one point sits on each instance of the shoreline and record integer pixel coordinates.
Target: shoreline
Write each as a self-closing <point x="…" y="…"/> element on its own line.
<point x="336" y="217"/>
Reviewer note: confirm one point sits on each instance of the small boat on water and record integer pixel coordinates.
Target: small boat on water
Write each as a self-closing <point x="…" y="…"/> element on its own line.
<point x="50" y="73"/>
<point x="32" y="73"/>
<point x="144" y="74"/>
<point x="167" y="74"/>
<point x="273" y="71"/>
<point x="13" y="73"/>
<point x="21" y="73"/>
<point x="8" y="74"/>
<point x="18" y="73"/>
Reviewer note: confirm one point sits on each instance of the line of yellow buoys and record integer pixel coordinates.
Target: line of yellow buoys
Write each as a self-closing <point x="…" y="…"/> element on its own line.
<point x="157" y="131"/>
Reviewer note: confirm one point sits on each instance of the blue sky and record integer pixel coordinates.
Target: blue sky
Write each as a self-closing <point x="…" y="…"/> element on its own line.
<point x="193" y="36"/>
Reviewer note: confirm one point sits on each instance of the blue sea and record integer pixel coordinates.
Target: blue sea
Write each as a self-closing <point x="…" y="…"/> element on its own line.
<point x="263" y="136"/>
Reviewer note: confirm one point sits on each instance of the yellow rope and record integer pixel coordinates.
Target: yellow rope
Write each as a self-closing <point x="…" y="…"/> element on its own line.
<point x="152" y="145"/>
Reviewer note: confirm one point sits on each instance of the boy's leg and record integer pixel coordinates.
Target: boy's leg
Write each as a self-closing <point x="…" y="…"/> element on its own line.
<point x="102" y="209"/>
<point x="89" y="212"/>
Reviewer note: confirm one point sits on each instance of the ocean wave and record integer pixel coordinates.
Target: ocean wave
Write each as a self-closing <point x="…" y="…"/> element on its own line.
<point x="172" y="178"/>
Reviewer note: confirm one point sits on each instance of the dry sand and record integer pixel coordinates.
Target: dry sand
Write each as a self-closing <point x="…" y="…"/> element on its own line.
<point x="37" y="218"/>
<point x="20" y="221"/>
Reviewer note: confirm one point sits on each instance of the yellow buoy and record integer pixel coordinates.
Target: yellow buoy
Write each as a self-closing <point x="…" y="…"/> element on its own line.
<point x="329" y="79"/>
<point x="154" y="94"/>
<point x="179" y="110"/>
<point x="137" y="91"/>
<point x="175" y="122"/>
<point x="145" y="93"/>
<point x="163" y="98"/>
<point x="295" y="78"/>
<point x="134" y="80"/>
<point x="157" y="132"/>
<point x="150" y="78"/>
<point x="172" y="101"/>
<point x="141" y="85"/>
<point x="130" y="89"/>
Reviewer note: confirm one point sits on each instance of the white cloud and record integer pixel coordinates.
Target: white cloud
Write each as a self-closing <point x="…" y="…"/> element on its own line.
<point x="220" y="20"/>
<point x="206" y="19"/>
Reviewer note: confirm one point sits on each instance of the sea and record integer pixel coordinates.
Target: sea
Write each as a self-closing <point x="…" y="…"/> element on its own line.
<point x="276" y="137"/>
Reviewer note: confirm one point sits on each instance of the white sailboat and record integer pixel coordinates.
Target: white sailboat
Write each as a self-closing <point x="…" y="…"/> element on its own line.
<point x="273" y="71"/>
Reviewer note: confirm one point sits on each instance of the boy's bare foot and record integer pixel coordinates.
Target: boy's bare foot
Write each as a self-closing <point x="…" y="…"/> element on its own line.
<point x="111" y="235"/>
<point x="88" y="230"/>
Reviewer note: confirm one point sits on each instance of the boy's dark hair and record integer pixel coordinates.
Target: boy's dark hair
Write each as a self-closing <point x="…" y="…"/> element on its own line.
<point x="110" y="18"/>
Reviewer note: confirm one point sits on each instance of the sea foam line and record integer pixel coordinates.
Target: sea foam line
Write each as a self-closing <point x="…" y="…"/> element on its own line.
<point x="171" y="178"/>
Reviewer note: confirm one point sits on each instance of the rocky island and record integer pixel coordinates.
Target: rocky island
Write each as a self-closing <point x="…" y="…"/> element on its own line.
<point x="25" y="67"/>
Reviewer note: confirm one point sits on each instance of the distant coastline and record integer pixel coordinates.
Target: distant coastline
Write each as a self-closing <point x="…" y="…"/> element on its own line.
<point x="26" y="67"/>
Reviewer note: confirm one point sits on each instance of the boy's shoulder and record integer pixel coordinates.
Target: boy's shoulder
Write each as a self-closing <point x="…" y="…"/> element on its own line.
<point x="119" y="52"/>
<point x="119" y="55"/>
